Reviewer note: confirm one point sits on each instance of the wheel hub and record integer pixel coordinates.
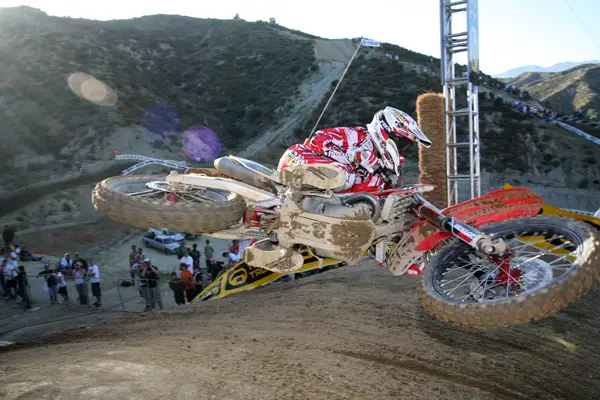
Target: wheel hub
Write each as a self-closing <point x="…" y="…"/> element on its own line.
<point x="164" y="186"/>
<point x="534" y="273"/>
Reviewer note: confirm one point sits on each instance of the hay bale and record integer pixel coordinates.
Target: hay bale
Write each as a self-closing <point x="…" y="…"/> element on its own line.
<point x="432" y="161"/>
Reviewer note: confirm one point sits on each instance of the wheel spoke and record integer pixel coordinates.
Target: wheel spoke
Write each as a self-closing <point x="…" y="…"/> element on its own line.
<point x="535" y="257"/>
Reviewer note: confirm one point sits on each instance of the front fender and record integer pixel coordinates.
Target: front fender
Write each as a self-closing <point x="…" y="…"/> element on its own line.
<point x="495" y="206"/>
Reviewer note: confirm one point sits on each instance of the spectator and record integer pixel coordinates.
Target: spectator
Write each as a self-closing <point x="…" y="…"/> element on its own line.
<point x="62" y="285"/>
<point x="85" y="265"/>
<point x="10" y="276"/>
<point x="144" y="282"/>
<point x="235" y="246"/>
<point x="188" y="285"/>
<point x="181" y="249"/>
<point x="8" y="234"/>
<point x="195" y="254"/>
<point x="135" y="271"/>
<point x="216" y="269"/>
<point x="176" y="286"/>
<point x="187" y="260"/>
<point x="2" y="280"/>
<point x="94" y="274"/>
<point x="79" y="279"/>
<point x="139" y="260"/>
<point x="23" y="286"/>
<point x="140" y="256"/>
<point x="51" y="283"/>
<point x="133" y="258"/>
<point x="26" y="255"/>
<point x="198" y="282"/>
<point x="209" y="252"/>
<point x="236" y="252"/>
<point x="66" y="262"/>
<point x="150" y="274"/>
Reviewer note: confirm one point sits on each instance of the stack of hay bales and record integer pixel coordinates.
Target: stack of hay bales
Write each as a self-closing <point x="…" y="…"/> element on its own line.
<point x="432" y="161"/>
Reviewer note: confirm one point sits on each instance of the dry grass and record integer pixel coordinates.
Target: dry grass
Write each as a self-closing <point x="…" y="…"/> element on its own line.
<point x="432" y="161"/>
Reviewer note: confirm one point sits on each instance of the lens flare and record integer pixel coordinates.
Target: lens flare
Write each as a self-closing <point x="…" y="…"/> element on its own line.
<point x="89" y="88"/>
<point x="161" y="122"/>
<point x="201" y="144"/>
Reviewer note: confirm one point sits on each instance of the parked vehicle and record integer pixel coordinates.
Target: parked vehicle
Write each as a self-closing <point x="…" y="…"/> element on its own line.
<point x="174" y="235"/>
<point x="165" y="232"/>
<point x="166" y="244"/>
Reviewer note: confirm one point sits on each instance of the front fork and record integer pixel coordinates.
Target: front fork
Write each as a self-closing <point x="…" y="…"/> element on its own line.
<point x="478" y="240"/>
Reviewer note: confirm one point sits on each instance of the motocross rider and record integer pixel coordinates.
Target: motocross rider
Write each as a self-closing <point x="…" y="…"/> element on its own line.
<point x="367" y="158"/>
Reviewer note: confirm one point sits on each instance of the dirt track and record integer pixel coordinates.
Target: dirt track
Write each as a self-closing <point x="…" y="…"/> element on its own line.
<point x="350" y="333"/>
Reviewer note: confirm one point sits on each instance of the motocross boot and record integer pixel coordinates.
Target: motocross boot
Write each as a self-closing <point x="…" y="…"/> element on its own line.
<point x="316" y="176"/>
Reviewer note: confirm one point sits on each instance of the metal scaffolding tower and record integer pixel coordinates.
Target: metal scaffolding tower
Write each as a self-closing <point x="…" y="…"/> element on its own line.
<point x="453" y="43"/>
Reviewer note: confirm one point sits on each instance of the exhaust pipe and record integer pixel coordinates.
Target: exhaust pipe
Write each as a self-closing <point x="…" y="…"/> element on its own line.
<point x="227" y="166"/>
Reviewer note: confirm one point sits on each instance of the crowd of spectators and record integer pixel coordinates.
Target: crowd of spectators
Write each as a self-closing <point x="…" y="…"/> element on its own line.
<point x="14" y="283"/>
<point x="548" y="113"/>
<point x="194" y="270"/>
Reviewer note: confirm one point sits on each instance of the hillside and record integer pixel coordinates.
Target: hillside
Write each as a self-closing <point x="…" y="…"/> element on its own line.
<point x="223" y="74"/>
<point x="567" y="91"/>
<point x="559" y="67"/>
<point x="75" y="90"/>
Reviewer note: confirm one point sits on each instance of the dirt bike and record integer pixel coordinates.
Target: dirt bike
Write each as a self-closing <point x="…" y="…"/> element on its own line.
<point x="492" y="261"/>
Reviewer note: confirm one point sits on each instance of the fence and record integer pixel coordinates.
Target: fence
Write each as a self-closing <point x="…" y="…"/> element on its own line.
<point x="115" y="299"/>
<point x="116" y="292"/>
<point x="579" y="132"/>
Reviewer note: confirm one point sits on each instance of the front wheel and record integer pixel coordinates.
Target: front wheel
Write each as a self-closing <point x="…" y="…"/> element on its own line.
<point x="554" y="262"/>
<point x="148" y="201"/>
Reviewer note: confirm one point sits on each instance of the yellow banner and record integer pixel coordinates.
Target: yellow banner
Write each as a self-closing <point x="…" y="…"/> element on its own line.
<point x="548" y="209"/>
<point x="242" y="277"/>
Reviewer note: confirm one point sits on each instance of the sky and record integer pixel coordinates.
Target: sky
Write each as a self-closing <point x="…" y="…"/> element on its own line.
<point x="512" y="33"/>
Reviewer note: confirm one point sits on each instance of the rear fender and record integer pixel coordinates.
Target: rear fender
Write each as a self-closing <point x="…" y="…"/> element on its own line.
<point x="250" y="193"/>
<point x="495" y="206"/>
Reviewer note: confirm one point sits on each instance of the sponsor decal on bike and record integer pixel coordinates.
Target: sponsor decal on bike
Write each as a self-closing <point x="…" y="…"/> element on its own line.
<point x="463" y="232"/>
<point x="242" y="277"/>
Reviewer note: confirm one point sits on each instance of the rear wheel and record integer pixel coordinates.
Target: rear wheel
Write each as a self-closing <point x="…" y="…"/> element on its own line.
<point x="148" y="201"/>
<point x="554" y="262"/>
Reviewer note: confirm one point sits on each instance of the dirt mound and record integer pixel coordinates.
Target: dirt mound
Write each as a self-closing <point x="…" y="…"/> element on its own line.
<point x="349" y="333"/>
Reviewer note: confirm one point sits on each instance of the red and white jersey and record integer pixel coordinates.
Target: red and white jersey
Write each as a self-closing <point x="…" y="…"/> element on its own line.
<point x="344" y="145"/>
<point x="347" y="148"/>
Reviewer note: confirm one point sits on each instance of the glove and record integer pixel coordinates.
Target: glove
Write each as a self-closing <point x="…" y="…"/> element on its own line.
<point x="368" y="160"/>
<point x="391" y="180"/>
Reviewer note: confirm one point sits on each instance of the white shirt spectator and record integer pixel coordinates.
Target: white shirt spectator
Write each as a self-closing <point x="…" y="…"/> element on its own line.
<point x="94" y="273"/>
<point x="64" y="263"/>
<point x="10" y="271"/>
<point x="61" y="279"/>
<point x="234" y="258"/>
<point x="78" y="277"/>
<point x="12" y="260"/>
<point x="189" y="261"/>
<point x="136" y="276"/>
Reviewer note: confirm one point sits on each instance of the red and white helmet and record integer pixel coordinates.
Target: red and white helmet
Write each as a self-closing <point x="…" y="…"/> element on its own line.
<point x="388" y="127"/>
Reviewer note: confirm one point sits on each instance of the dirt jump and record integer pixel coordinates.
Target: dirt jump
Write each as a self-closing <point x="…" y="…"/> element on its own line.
<point x="353" y="332"/>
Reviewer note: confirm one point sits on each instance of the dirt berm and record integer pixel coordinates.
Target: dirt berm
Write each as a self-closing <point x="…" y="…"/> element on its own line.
<point x="351" y="333"/>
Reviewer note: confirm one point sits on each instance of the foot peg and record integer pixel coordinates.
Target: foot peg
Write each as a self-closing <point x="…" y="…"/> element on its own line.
<point x="317" y="176"/>
<point x="264" y="254"/>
